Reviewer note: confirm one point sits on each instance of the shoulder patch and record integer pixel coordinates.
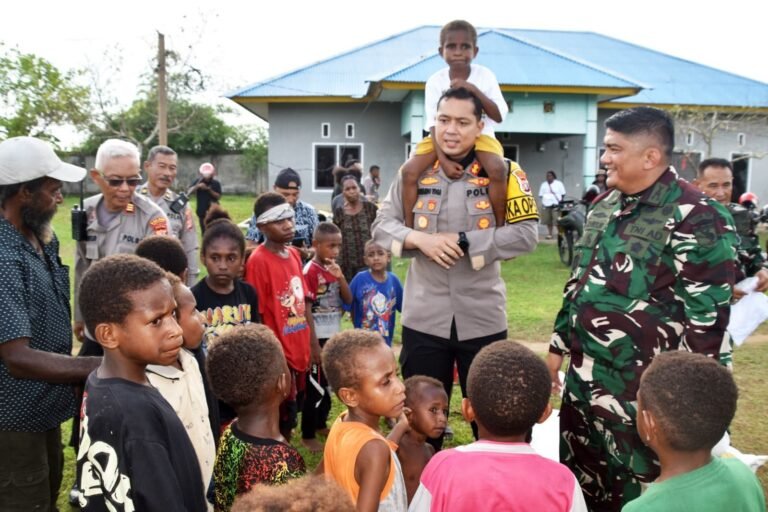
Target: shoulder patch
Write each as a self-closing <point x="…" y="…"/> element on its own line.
<point x="159" y="225"/>
<point x="703" y="226"/>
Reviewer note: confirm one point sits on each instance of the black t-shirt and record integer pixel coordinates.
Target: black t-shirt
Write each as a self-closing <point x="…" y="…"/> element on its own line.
<point x="135" y="448"/>
<point x="222" y="312"/>
<point x="204" y="197"/>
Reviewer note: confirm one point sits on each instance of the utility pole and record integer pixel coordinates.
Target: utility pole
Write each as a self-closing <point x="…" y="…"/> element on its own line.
<point x="162" y="92"/>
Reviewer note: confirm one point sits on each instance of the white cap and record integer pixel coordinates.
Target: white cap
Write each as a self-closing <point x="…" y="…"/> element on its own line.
<point x="25" y="159"/>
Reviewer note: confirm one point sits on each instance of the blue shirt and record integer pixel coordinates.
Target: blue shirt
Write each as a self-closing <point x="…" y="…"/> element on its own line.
<point x="304" y="218"/>
<point x="374" y="304"/>
<point x="34" y="299"/>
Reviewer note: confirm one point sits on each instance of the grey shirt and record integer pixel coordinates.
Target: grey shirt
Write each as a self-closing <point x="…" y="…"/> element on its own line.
<point x="182" y="227"/>
<point x="471" y="291"/>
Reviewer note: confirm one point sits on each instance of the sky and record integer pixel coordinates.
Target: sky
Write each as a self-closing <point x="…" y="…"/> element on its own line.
<point x="239" y="43"/>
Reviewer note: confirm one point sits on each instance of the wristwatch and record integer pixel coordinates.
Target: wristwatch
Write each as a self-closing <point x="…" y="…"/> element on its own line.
<point x="463" y="241"/>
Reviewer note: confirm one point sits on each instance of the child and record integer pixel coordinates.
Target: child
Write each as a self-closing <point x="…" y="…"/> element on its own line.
<point x="508" y="390"/>
<point x="426" y="408"/>
<point x="327" y="289"/>
<point x="181" y="383"/>
<point x="376" y="294"/>
<point x="274" y="269"/>
<point x="685" y="403"/>
<point x="362" y="371"/>
<point x="458" y="46"/>
<point x="168" y="252"/>
<point x="134" y="452"/>
<point x="224" y="300"/>
<point x="303" y="494"/>
<point x="247" y="369"/>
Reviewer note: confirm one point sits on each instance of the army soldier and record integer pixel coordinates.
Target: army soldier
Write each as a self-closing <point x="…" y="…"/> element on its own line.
<point x="161" y="172"/>
<point x="118" y="218"/>
<point x="653" y="272"/>
<point x="715" y="179"/>
<point x="454" y="300"/>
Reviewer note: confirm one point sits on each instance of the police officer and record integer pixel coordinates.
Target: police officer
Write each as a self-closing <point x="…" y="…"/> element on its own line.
<point x="454" y="301"/>
<point x="652" y="272"/>
<point x="161" y="168"/>
<point x="118" y="218"/>
<point x="715" y="179"/>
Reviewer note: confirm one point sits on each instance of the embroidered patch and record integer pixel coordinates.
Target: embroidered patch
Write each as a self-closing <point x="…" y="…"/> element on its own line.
<point x="159" y="226"/>
<point x="431" y="205"/>
<point x="429" y="181"/>
<point x="480" y="182"/>
<point x="422" y="222"/>
<point x="482" y="205"/>
<point x="475" y="169"/>
<point x="419" y="204"/>
<point x="130" y="208"/>
<point x="484" y="223"/>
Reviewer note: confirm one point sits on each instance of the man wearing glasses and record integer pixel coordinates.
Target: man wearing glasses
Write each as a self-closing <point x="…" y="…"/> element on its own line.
<point x="118" y="218"/>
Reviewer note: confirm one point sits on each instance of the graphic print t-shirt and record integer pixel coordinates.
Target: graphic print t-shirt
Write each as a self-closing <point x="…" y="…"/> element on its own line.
<point x="280" y="284"/>
<point x="244" y="461"/>
<point x="374" y="304"/>
<point x="323" y="290"/>
<point x="222" y="312"/>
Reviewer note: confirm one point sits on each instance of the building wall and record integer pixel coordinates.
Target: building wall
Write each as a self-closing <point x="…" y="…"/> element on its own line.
<point x="295" y="128"/>
<point x="228" y="171"/>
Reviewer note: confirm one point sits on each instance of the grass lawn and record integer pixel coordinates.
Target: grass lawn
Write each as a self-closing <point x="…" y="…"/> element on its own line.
<point x="534" y="287"/>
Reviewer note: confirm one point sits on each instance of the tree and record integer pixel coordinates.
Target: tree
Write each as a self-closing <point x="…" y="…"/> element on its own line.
<point x="708" y="124"/>
<point x="37" y="96"/>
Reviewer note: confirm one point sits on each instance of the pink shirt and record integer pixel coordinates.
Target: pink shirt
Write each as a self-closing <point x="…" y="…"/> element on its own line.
<point x="498" y="476"/>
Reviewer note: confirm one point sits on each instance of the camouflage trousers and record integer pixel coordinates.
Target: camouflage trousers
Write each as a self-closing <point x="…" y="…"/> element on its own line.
<point x="608" y="458"/>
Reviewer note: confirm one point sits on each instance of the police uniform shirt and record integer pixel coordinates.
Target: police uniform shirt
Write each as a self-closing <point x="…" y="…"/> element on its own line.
<point x="472" y="290"/>
<point x="140" y="219"/>
<point x="181" y="225"/>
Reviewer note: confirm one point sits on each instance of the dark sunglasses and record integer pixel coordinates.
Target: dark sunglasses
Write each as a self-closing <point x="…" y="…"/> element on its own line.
<point x="118" y="182"/>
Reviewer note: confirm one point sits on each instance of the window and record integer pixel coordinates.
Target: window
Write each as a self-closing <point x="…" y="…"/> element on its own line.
<point x="350" y="133"/>
<point x="689" y="139"/>
<point x="549" y="107"/>
<point x="741" y="139"/>
<point x="328" y="156"/>
<point x="325" y="130"/>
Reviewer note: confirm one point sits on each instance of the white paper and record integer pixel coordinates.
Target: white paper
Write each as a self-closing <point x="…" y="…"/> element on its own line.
<point x="749" y="312"/>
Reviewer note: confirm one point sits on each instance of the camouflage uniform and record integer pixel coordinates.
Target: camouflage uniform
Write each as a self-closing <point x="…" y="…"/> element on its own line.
<point x="181" y="226"/>
<point x="651" y="273"/>
<point x="749" y="256"/>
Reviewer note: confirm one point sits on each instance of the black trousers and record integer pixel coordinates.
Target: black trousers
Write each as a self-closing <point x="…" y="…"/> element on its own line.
<point x="317" y="402"/>
<point x="425" y="354"/>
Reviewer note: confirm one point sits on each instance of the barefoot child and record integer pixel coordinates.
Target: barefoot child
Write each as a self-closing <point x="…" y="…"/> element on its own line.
<point x="328" y="291"/>
<point x="275" y="270"/>
<point x="426" y="408"/>
<point x="377" y="294"/>
<point x="134" y="452"/>
<point x="247" y="369"/>
<point x="362" y="371"/>
<point x="508" y="390"/>
<point x="685" y="403"/>
<point x="458" y="46"/>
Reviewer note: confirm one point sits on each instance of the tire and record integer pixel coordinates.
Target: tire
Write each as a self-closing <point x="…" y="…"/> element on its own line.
<point x="565" y="246"/>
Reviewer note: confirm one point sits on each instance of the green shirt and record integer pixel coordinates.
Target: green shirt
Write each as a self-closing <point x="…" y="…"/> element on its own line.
<point x="722" y="485"/>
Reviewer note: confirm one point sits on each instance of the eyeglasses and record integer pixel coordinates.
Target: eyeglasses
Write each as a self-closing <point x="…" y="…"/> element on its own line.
<point x="118" y="182"/>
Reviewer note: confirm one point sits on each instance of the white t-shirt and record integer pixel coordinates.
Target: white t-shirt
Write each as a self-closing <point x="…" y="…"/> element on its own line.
<point x="479" y="76"/>
<point x="551" y="193"/>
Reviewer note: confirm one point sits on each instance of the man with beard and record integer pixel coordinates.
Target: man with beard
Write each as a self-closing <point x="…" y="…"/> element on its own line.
<point x="36" y="367"/>
<point x="118" y="218"/>
<point x="161" y="165"/>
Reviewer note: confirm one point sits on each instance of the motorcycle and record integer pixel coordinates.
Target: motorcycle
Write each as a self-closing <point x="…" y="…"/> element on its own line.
<point x="570" y="227"/>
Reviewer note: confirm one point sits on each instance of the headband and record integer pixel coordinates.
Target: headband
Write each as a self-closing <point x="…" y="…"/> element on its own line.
<point x="276" y="213"/>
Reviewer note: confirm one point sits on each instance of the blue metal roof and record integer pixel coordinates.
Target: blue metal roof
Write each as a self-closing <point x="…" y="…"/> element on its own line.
<point x="520" y="58"/>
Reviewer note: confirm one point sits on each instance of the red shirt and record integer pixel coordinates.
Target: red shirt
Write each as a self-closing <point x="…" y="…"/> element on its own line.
<point x="280" y="285"/>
